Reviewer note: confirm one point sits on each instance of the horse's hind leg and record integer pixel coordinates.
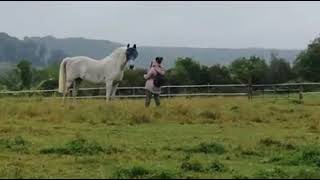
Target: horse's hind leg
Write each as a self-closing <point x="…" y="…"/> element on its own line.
<point x="76" y="84"/>
<point x="74" y="91"/>
<point x="64" y="97"/>
<point x="66" y="92"/>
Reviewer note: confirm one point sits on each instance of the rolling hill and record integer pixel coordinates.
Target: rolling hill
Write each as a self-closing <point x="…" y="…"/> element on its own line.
<point x="48" y="49"/>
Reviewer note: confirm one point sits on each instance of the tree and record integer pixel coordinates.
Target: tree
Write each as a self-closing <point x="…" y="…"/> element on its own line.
<point x="219" y="75"/>
<point x="307" y="64"/>
<point x="279" y="71"/>
<point x="48" y="84"/>
<point x="187" y="71"/>
<point x="51" y="72"/>
<point x="11" y="80"/>
<point x="252" y="70"/>
<point x="24" y="69"/>
<point x="174" y="78"/>
<point x="204" y="75"/>
<point x="133" y="77"/>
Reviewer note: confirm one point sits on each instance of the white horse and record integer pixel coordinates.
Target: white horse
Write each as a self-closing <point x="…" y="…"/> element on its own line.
<point x="108" y="70"/>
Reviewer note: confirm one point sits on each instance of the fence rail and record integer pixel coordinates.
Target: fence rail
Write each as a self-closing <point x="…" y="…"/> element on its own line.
<point x="211" y="90"/>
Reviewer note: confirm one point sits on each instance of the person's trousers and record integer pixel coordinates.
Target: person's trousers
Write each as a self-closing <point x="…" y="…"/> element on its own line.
<point x="149" y="97"/>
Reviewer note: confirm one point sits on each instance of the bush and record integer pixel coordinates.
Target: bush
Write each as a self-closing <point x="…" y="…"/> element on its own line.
<point x="192" y="166"/>
<point x="307" y="174"/>
<point x="216" y="166"/>
<point x="210" y="115"/>
<point x="76" y="147"/>
<point x="138" y="172"/>
<point x="311" y="154"/>
<point x="273" y="173"/>
<point x="239" y="176"/>
<point x="17" y="144"/>
<point x="134" y="172"/>
<point x="307" y="155"/>
<point x="270" y="142"/>
<point x="139" y="119"/>
<point x="250" y="152"/>
<point x="209" y="148"/>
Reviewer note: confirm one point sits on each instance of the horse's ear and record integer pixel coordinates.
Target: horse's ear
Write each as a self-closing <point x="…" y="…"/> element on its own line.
<point x="134" y="46"/>
<point x="128" y="45"/>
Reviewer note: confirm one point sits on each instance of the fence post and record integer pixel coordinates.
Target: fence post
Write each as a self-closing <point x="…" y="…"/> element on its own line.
<point x="249" y="91"/>
<point x="300" y="93"/>
<point x="168" y="91"/>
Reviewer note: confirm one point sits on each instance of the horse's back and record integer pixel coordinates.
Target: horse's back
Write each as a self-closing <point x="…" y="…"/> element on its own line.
<point x="83" y="59"/>
<point x="85" y="68"/>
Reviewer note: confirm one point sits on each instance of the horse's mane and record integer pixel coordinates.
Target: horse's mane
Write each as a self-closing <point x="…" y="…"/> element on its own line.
<point x="116" y="53"/>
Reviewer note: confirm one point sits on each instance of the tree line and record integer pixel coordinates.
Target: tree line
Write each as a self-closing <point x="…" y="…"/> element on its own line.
<point x="188" y="71"/>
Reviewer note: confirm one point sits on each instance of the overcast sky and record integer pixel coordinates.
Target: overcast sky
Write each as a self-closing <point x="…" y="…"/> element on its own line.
<point x="285" y="25"/>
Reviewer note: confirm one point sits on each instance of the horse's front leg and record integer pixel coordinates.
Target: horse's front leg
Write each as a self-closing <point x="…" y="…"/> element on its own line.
<point x="108" y="90"/>
<point x="74" y="91"/>
<point x="114" y="89"/>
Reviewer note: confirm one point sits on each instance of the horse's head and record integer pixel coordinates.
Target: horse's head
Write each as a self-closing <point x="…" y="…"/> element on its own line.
<point x="131" y="55"/>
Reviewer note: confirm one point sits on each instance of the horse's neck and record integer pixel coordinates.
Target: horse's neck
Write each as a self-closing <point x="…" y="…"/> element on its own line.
<point x="117" y="58"/>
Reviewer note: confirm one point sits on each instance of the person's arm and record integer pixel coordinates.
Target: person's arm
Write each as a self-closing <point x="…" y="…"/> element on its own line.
<point x="149" y="74"/>
<point x="161" y="71"/>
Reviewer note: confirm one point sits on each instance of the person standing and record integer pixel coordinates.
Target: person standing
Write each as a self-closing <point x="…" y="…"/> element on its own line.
<point x="154" y="81"/>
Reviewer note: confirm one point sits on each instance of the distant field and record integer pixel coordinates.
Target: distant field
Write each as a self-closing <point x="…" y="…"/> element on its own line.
<point x="218" y="137"/>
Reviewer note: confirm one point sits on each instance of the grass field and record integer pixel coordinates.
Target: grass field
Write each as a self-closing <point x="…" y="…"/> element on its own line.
<point x="216" y="137"/>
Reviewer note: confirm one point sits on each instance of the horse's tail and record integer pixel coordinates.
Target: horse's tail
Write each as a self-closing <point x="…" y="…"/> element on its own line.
<point x="62" y="75"/>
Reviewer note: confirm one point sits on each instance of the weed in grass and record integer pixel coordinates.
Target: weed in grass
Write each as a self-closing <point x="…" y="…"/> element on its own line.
<point x="75" y="147"/>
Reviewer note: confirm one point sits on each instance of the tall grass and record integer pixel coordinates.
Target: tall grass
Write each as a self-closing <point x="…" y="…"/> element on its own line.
<point x="220" y="137"/>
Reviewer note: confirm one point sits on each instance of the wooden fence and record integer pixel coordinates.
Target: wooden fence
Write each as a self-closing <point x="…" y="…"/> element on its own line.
<point x="255" y="90"/>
